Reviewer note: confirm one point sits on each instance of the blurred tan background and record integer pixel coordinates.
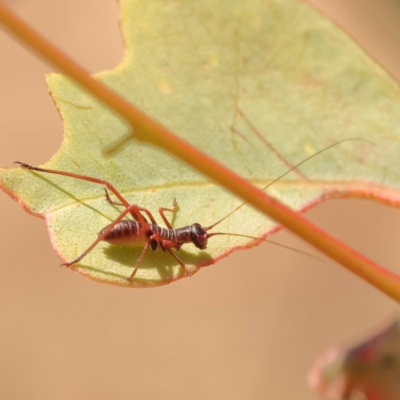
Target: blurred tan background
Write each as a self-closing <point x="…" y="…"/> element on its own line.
<point x="225" y="334"/>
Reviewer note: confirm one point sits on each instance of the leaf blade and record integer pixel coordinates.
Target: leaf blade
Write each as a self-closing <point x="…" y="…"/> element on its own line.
<point x="89" y="128"/>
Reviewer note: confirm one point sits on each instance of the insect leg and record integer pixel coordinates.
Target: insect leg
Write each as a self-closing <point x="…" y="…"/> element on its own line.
<point x="145" y="210"/>
<point x="161" y="211"/>
<point x="169" y="246"/>
<point x="112" y="202"/>
<point x="134" y="211"/>
<point x="139" y="261"/>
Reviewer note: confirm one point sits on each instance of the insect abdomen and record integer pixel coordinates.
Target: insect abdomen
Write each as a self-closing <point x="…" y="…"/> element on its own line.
<point x="126" y="232"/>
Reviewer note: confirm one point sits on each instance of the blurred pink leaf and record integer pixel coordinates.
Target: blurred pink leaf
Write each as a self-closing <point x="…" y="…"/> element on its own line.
<point x="366" y="371"/>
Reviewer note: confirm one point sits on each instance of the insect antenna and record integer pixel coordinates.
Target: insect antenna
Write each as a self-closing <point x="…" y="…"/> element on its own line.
<point x="305" y="253"/>
<point x="287" y="172"/>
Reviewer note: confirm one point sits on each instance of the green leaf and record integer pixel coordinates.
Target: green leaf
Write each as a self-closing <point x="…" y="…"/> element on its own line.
<point x="258" y="85"/>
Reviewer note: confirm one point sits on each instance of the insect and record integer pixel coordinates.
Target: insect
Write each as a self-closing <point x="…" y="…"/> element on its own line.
<point x="139" y="231"/>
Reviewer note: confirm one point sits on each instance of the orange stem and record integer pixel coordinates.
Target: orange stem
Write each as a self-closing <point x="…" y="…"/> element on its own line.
<point x="147" y="130"/>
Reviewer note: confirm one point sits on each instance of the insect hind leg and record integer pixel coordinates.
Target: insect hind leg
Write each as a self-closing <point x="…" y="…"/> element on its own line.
<point x="134" y="211"/>
<point x="145" y="210"/>
<point x="103" y="234"/>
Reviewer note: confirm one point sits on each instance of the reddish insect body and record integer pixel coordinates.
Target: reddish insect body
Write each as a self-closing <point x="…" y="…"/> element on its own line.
<point x="138" y="231"/>
<point x="129" y="232"/>
<point x="149" y="234"/>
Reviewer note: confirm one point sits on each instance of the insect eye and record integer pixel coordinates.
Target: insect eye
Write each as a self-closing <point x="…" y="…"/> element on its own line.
<point x="202" y="240"/>
<point x="199" y="236"/>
